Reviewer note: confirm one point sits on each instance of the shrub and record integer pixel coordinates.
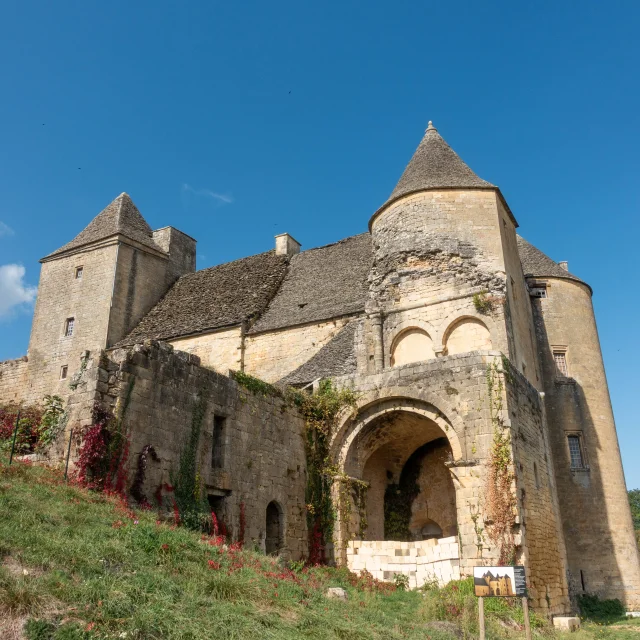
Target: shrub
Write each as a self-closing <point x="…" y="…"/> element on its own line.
<point x="592" y="608"/>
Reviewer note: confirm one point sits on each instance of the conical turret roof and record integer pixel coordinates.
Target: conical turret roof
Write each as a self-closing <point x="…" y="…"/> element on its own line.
<point x="436" y="165"/>
<point x="120" y="217"/>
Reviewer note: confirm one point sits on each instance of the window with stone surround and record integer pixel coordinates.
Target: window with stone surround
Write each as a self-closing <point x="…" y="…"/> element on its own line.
<point x="560" y="359"/>
<point x="69" y="324"/>
<point x="576" y="451"/>
<point x="63" y="372"/>
<point x="79" y="271"/>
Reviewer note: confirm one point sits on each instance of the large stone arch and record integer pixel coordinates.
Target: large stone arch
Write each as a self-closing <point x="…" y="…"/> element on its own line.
<point x="401" y="420"/>
<point x="373" y="404"/>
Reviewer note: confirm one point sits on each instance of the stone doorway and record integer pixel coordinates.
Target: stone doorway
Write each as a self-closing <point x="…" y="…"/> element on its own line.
<point x="404" y="451"/>
<point x="274" y="529"/>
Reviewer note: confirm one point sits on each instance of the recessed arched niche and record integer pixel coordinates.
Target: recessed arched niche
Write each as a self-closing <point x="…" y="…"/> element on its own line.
<point x="468" y="334"/>
<point x="412" y="345"/>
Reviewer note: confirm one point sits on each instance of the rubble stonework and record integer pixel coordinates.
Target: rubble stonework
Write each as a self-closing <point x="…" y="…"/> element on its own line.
<point x="473" y="357"/>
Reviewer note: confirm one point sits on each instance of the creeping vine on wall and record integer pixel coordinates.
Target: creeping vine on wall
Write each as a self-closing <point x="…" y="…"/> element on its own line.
<point x="320" y="411"/>
<point x="500" y="503"/>
<point x="190" y="501"/>
<point x="104" y="448"/>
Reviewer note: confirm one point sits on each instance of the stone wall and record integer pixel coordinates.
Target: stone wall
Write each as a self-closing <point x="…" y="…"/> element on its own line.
<point x="13" y="380"/>
<point x="218" y="350"/>
<point x="260" y="450"/>
<point x="601" y="548"/>
<point x="423" y="561"/>
<point x="539" y="526"/>
<point x="139" y="283"/>
<point x="273" y="354"/>
<point x="60" y="296"/>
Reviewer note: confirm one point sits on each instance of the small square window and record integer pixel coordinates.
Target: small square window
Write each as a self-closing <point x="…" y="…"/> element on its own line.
<point x="79" y="271"/>
<point x="576" y="452"/>
<point x="63" y="372"/>
<point x="68" y="327"/>
<point x="560" y="358"/>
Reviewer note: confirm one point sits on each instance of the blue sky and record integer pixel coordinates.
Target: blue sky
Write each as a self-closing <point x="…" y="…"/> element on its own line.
<point x="237" y="121"/>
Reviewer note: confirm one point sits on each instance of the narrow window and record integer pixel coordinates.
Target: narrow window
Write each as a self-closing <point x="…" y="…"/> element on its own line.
<point x="63" y="372"/>
<point x="560" y="358"/>
<point x="535" y="475"/>
<point x="68" y="327"/>
<point x="79" y="273"/>
<point x="217" y="450"/>
<point x="575" y="451"/>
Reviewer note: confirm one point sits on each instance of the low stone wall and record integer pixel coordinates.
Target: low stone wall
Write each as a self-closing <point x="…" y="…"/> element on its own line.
<point x="422" y="560"/>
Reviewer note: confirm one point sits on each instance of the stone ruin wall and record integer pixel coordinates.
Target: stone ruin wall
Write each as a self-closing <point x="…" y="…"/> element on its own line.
<point x="263" y="448"/>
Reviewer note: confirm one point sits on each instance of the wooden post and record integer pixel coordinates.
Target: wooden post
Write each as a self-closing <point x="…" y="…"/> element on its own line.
<point x="481" y="617"/>
<point x="15" y="435"/>
<point x="525" y="611"/>
<point x="66" y="467"/>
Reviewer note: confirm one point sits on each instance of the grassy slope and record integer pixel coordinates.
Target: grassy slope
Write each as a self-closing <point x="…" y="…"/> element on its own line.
<point x="92" y="564"/>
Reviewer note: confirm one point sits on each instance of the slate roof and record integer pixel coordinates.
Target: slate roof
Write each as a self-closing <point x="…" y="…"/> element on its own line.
<point x="336" y="358"/>
<point x="213" y="298"/>
<point x="436" y="165"/>
<point x="321" y="283"/>
<point x="538" y="265"/>
<point x="119" y="217"/>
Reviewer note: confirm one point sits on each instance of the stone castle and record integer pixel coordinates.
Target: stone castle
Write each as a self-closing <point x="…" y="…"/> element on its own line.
<point x="460" y="339"/>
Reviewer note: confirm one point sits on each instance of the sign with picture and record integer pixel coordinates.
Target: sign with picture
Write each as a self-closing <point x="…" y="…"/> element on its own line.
<point x="499" y="582"/>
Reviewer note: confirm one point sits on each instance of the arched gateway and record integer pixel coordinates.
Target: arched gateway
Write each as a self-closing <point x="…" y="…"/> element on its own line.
<point x="404" y="449"/>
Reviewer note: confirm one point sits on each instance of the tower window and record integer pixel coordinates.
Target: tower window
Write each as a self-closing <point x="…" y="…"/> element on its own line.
<point x="63" y="372"/>
<point x="217" y="448"/>
<point x="576" y="451"/>
<point x="68" y="327"/>
<point x="538" y="290"/>
<point x="79" y="271"/>
<point x="560" y="358"/>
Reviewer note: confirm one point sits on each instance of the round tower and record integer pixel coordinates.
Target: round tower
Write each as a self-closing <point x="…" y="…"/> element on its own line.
<point x="601" y="547"/>
<point x="444" y="245"/>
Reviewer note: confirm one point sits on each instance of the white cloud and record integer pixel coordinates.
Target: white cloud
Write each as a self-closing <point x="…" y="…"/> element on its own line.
<point x="219" y="198"/>
<point x="5" y="230"/>
<point x="13" y="291"/>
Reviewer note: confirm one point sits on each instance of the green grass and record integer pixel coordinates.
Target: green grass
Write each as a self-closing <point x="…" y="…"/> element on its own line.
<point x="76" y="564"/>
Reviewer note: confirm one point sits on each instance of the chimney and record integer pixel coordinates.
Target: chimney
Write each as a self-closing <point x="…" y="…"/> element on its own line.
<point x="564" y="265"/>
<point x="286" y="245"/>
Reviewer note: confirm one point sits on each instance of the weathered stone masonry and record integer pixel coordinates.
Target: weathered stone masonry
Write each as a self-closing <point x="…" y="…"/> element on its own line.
<point x="262" y="458"/>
